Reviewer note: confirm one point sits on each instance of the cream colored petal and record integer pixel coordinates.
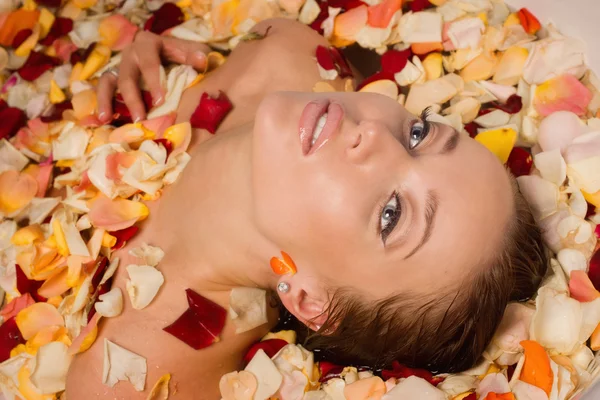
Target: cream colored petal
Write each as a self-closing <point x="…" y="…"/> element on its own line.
<point x="552" y="166"/>
<point x="420" y="27"/>
<point x="571" y="260"/>
<point x="457" y="384"/>
<point x="412" y="388"/>
<point x="110" y="271"/>
<point x="494" y="119"/>
<point x="266" y="373"/>
<point x="10" y="157"/>
<point x="238" y="386"/>
<point x="110" y="304"/>
<point x="309" y="12"/>
<point x="123" y="365"/>
<point x="151" y="255"/>
<point x="525" y="391"/>
<point x="181" y="161"/>
<point x="177" y="80"/>
<point x="52" y="363"/>
<point x="70" y="144"/>
<point x="143" y="284"/>
<point x="541" y="195"/>
<point x="492" y="383"/>
<point x="248" y="308"/>
<point x="421" y="96"/>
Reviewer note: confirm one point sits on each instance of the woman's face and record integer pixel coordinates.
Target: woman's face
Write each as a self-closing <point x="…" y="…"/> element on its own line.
<point x="379" y="203"/>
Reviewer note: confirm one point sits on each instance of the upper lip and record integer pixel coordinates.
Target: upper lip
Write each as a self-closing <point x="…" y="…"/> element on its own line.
<point x="308" y="123"/>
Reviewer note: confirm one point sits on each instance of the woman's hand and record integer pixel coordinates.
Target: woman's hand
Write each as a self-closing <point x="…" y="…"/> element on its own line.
<point x="143" y="57"/>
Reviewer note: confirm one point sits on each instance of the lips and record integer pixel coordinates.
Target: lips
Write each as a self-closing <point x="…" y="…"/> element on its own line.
<point x="309" y="120"/>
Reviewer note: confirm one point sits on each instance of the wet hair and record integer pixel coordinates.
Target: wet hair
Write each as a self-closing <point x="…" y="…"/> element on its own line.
<point x="442" y="332"/>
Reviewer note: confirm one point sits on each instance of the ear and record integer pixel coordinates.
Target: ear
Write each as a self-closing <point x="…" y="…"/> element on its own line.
<point x="306" y="299"/>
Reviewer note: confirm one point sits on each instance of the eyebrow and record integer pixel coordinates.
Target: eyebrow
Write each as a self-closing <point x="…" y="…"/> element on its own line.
<point x="451" y="143"/>
<point x="431" y="207"/>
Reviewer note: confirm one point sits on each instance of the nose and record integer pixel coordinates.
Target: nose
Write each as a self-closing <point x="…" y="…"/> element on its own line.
<point x="371" y="139"/>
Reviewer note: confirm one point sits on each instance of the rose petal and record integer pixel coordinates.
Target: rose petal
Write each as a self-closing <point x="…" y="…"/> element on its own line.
<point x="347" y="24"/>
<point x="563" y="93"/>
<point x="61" y="27"/>
<point x="552" y="166"/>
<point x="498" y="141"/>
<point x="12" y="119"/>
<point x="529" y="22"/>
<point x="269" y="346"/>
<point x="400" y="371"/>
<point x="166" y="17"/>
<point x="558" y="130"/>
<point x="201" y="324"/>
<point x="437" y="91"/>
<point x="238" y="386"/>
<point x="285" y="266"/>
<point x="16" y="191"/>
<point x="384" y="87"/>
<point x="16" y="305"/>
<point x="160" y="390"/>
<point x="594" y="270"/>
<point x="20" y="37"/>
<point x="421" y="28"/>
<point x="10" y="337"/>
<point x="268" y="376"/>
<point x="210" y="112"/>
<point x="37" y="63"/>
<point x="56" y="285"/>
<point x="110" y="304"/>
<point x="536" y="370"/>
<point x="371" y="388"/>
<point x="116" y="32"/>
<point x="248" y="308"/>
<point x="143" y="284"/>
<point x="151" y="255"/>
<point x="492" y="383"/>
<point x="413" y="387"/>
<point x="15" y="22"/>
<point x="519" y="161"/>
<point x="381" y="14"/>
<point x="180" y="136"/>
<point x="36" y="317"/>
<point x="123" y="365"/>
<point x="394" y="61"/>
<point x="52" y="363"/>
<point x="116" y="214"/>
<point x="511" y="65"/>
<point x="581" y="287"/>
<point x="158" y="125"/>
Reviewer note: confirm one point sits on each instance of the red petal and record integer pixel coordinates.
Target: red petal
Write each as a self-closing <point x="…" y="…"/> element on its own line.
<point x="325" y="58"/>
<point x="316" y="24"/>
<point x="419" y="5"/>
<point x="211" y="111"/>
<point x="519" y="161"/>
<point x="375" y="77"/>
<point x="529" y="22"/>
<point x="271" y="347"/>
<point x="341" y="64"/>
<point x="166" y="17"/>
<point x="591" y="210"/>
<point x="123" y="236"/>
<point x="20" y="37"/>
<point x="512" y="106"/>
<point x="472" y="396"/>
<point x="57" y="111"/>
<point x="49" y="3"/>
<point x="201" y="324"/>
<point x="345" y="5"/>
<point x="26" y="285"/>
<point x="394" y="61"/>
<point x="36" y="64"/>
<point x="60" y="27"/>
<point x="166" y="144"/>
<point x="12" y="119"/>
<point x="594" y="271"/>
<point x="329" y="371"/>
<point x="3" y="104"/>
<point x="122" y="115"/>
<point x="400" y="371"/>
<point x="10" y="337"/>
<point x="472" y="127"/>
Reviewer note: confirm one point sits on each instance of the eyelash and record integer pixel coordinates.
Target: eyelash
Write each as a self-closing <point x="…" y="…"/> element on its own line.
<point x="385" y="231"/>
<point x="423" y="119"/>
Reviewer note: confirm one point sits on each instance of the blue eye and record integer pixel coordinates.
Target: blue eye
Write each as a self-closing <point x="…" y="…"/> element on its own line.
<point x="418" y="132"/>
<point x="389" y="216"/>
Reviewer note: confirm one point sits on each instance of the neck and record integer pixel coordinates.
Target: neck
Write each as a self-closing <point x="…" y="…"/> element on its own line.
<point x="216" y="235"/>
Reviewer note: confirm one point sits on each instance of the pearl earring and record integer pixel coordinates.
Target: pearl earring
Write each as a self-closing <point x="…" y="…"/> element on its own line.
<point x="283" y="287"/>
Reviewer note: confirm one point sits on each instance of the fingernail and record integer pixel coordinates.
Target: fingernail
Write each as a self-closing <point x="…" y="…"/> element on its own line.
<point x="158" y="100"/>
<point x="137" y="119"/>
<point x="102" y="115"/>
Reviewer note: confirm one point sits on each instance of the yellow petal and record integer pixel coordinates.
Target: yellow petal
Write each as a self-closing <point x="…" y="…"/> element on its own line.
<point x="513" y="19"/>
<point x="56" y="94"/>
<point x="160" y="391"/>
<point x="480" y="68"/>
<point x="16" y="190"/>
<point x="26" y="388"/>
<point x="84" y="103"/>
<point x="29" y="5"/>
<point x="61" y="241"/>
<point x="433" y="66"/>
<point x="108" y="240"/>
<point x="385" y="87"/>
<point x="25" y="48"/>
<point x="75" y="73"/>
<point x="46" y="20"/>
<point x="27" y="235"/>
<point x="83" y="4"/>
<point x="592" y="198"/>
<point x="180" y="135"/>
<point x="498" y="141"/>
<point x="289" y="336"/>
<point x="511" y="65"/>
<point x="36" y="317"/>
<point x="96" y="60"/>
<point x="47" y="335"/>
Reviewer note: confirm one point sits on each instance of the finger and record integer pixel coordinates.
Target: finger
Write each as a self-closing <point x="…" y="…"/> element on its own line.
<point x="107" y="84"/>
<point x="185" y="52"/>
<point x="149" y="62"/>
<point x="129" y="75"/>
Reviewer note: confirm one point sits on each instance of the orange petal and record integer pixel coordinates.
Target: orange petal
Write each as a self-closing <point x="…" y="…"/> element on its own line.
<point x="55" y="285"/>
<point x="37" y="317"/>
<point x="503" y="396"/>
<point x="27" y="235"/>
<point x="86" y="337"/>
<point x="595" y="339"/>
<point x="180" y="136"/>
<point x="347" y="24"/>
<point x="158" y="125"/>
<point x="47" y="335"/>
<point x="116" y="32"/>
<point x="480" y="68"/>
<point x="84" y="103"/>
<point x="426" y="48"/>
<point x="581" y="287"/>
<point x="529" y="22"/>
<point x="14" y="23"/>
<point x="160" y="390"/>
<point x="372" y="388"/>
<point x="563" y="93"/>
<point x="285" y="266"/>
<point x="117" y="214"/>
<point x="536" y="369"/>
<point x="16" y="190"/>
<point x="381" y="14"/>
<point x="42" y="174"/>
<point x="130" y="133"/>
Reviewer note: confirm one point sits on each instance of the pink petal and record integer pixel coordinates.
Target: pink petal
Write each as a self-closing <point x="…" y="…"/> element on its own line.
<point x="79" y="340"/>
<point x="159" y="124"/>
<point x="116" y="32"/>
<point x="55" y="285"/>
<point x="17" y="304"/>
<point x="563" y="93"/>
<point x="115" y="161"/>
<point x="117" y="214"/>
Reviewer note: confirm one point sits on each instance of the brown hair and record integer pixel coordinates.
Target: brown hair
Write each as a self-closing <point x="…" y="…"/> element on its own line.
<point x="446" y="333"/>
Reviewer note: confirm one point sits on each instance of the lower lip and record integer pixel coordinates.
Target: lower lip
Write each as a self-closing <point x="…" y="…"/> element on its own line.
<point x="308" y="123"/>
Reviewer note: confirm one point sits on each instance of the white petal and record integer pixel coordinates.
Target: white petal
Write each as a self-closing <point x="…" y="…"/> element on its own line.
<point x="514" y="327"/>
<point x="414" y="387"/>
<point x="143" y="284"/>
<point x="309" y="12"/>
<point x="327" y="25"/>
<point x="157" y="152"/>
<point x="578" y="204"/>
<point x="409" y="74"/>
<point x="466" y="33"/>
<point x="494" y="119"/>
<point x="10" y="157"/>
<point x="51" y="366"/>
<point x="583" y="357"/>
<point x="583" y="146"/>
<point x="71" y="144"/>
<point x="541" y="195"/>
<point x="571" y="260"/>
<point x="501" y="92"/>
<point x="112" y="268"/>
<point x="110" y="304"/>
<point x="248" y="308"/>
<point x="558" y="130"/>
<point x="266" y="373"/>
<point x="557" y="321"/>
<point x="334" y="388"/>
<point x="423" y="95"/>
<point x="591" y="318"/>
<point x="177" y="80"/>
<point x="123" y="365"/>
<point x="181" y="160"/>
<point x="293" y="357"/>
<point x="151" y="255"/>
<point x="552" y="166"/>
<point x="7" y="230"/>
<point x="420" y="27"/>
<point x="525" y="391"/>
<point x="457" y="384"/>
